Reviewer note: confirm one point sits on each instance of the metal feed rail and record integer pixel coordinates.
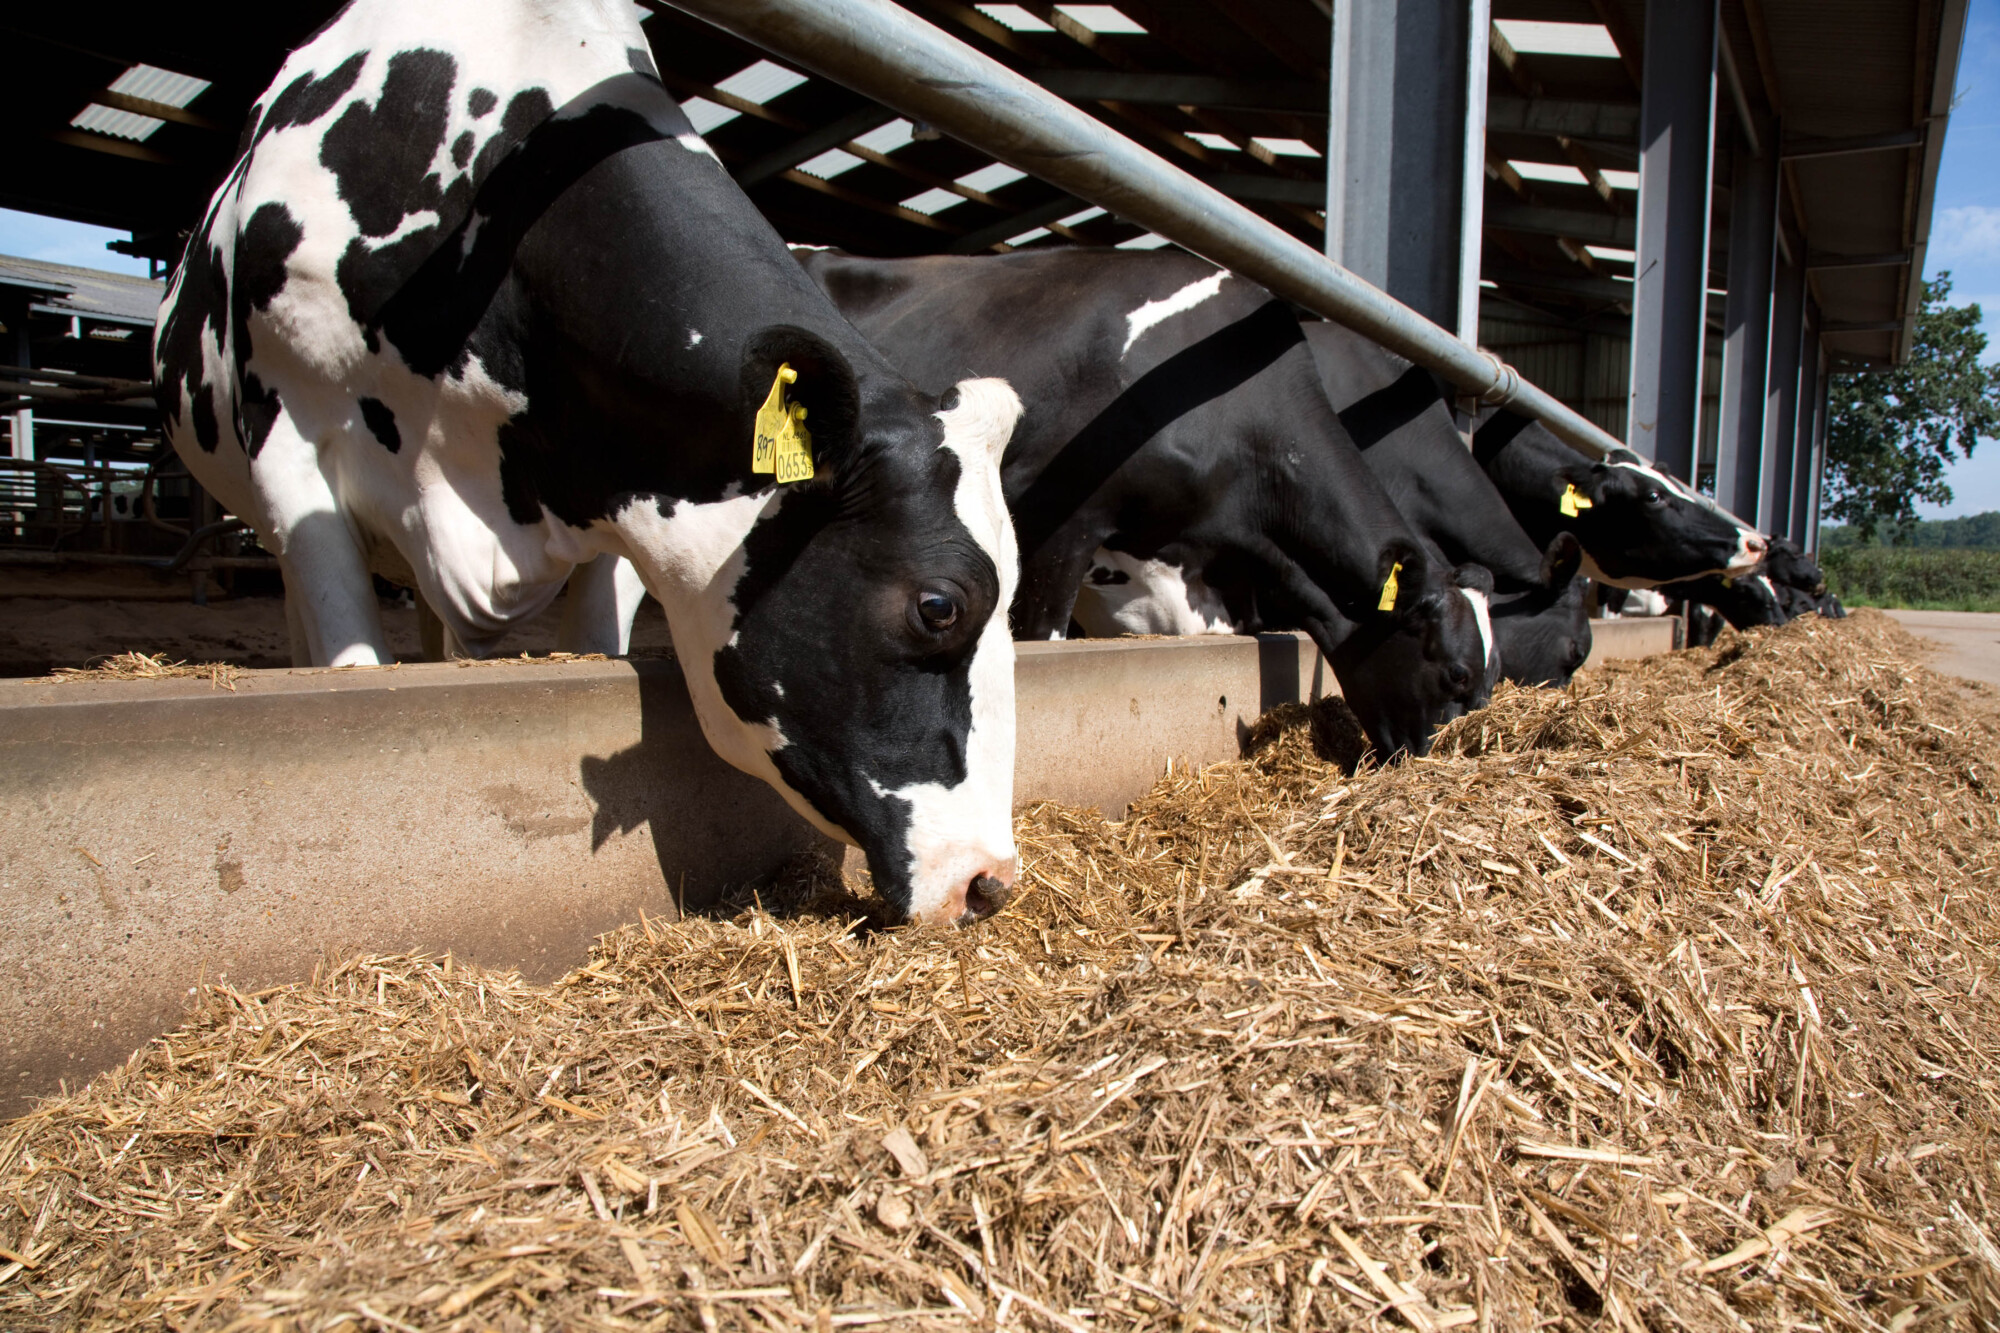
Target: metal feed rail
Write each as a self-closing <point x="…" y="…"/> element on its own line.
<point x="890" y="54"/>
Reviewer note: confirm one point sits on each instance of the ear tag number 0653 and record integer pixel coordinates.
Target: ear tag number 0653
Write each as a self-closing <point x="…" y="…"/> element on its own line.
<point x="782" y="444"/>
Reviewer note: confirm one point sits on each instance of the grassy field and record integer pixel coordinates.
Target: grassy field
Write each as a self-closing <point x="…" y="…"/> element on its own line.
<point x="1918" y="578"/>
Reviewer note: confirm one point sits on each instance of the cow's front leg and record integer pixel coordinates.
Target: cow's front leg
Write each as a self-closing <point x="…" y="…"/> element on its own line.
<point x="602" y="598"/>
<point x="327" y="585"/>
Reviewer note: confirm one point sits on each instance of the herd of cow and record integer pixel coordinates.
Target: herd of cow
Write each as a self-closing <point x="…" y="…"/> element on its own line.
<point x="478" y="311"/>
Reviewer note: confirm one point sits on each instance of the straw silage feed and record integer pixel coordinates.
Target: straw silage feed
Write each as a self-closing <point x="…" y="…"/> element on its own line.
<point x="1663" y="1002"/>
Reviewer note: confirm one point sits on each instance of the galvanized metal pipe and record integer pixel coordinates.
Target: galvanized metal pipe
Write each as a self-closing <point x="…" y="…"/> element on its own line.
<point x="890" y="54"/>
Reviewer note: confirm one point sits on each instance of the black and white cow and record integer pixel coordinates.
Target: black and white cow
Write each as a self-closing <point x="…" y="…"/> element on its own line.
<point x="1800" y="581"/>
<point x="478" y="305"/>
<point x="1639" y="527"/>
<point x="1401" y="422"/>
<point x="1174" y="416"/>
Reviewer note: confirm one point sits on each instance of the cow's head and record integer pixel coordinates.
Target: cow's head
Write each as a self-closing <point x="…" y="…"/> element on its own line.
<point x="851" y="646"/>
<point x="1789" y="566"/>
<point x="1544" y="634"/>
<point x="1409" y="670"/>
<point x="1639" y="527"/>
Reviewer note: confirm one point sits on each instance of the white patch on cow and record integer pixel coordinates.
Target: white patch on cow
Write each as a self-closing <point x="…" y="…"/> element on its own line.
<point x="599" y="602"/>
<point x="1154" y="597"/>
<point x="1056" y="636"/>
<point x="411" y="223"/>
<point x="1645" y="602"/>
<point x="694" y="143"/>
<point x="1483" y="617"/>
<point x="1182" y="301"/>
<point x="694" y="338"/>
<point x="957" y="833"/>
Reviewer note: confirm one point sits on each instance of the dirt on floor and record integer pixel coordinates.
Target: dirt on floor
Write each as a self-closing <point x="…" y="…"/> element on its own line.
<point x="42" y="634"/>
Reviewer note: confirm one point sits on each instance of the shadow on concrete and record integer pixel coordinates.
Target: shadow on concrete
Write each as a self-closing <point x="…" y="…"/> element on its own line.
<point x="716" y="832"/>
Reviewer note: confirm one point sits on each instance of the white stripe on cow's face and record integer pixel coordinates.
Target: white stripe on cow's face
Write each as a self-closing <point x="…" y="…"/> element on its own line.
<point x="1483" y="617"/>
<point x="956" y="833"/>
<point x="1182" y="301"/>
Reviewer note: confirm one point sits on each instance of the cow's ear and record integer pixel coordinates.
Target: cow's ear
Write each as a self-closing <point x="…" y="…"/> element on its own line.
<point x="1402" y="570"/>
<point x="1561" y="561"/>
<point x="820" y="380"/>
<point x="1477" y="578"/>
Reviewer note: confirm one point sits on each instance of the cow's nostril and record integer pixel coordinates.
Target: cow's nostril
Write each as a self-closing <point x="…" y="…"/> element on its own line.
<point x="983" y="897"/>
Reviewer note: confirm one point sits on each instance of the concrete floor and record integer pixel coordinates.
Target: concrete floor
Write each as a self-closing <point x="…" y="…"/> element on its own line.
<point x="1968" y="641"/>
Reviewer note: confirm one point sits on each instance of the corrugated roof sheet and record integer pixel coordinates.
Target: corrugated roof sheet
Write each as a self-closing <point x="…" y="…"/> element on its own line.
<point x="85" y="291"/>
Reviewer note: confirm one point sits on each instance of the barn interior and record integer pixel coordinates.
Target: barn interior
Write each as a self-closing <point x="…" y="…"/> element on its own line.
<point x="1490" y="158"/>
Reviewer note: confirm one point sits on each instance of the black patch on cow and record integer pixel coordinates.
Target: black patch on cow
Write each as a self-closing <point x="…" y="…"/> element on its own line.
<point x="482" y="102"/>
<point x="1390" y="408"/>
<point x="381" y="424"/>
<point x="641" y="61"/>
<point x="431" y="312"/>
<point x="381" y="155"/>
<point x="1103" y="576"/>
<point x="200" y="303"/>
<point x="1199" y="373"/>
<point x="305" y="99"/>
<point x="1498" y="432"/>
<point x="461" y="149"/>
<point x="263" y="246"/>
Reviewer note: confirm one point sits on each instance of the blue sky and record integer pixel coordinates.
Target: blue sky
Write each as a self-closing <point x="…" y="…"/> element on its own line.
<point x="1965" y="233"/>
<point x="1965" y="230"/>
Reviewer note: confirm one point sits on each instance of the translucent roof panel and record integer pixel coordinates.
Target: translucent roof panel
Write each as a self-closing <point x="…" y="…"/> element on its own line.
<point x="1535" y="37"/>
<point x="932" y="201"/>
<point x="1014" y="18"/>
<point x="1101" y="18"/>
<point x="1555" y="172"/>
<point x="888" y="138"/>
<point x="991" y="177"/>
<point x="761" y="82"/>
<point x="705" y="115"/>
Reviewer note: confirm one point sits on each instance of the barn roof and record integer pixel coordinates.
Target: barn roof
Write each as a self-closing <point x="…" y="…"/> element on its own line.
<point x="1233" y="90"/>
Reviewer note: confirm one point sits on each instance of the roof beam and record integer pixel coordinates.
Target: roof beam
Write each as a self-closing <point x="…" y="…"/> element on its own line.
<point x="985" y="238"/>
<point x="1606" y="290"/>
<point x="105" y="143"/>
<point x="809" y="146"/>
<point x="1096" y="85"/>
<point x="1589" y="228"/>
<point x="1888" y="259"/>
<point x="1269" y="189"/>
<point x="1861" y="326"/>
<point x="1863" y="143"/>
<point x="1617" y="122"/>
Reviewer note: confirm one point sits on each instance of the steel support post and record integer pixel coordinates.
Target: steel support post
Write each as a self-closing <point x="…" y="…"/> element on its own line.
<point x="1406" y="153"/>
<point x="1746" y="349"/>
<point x="1824" y="427"/>
<point x="1812" y="429"/>
<point x="1781" y="399"/>
<point x="22" y="431"/>
<point x="1669" y="308"/>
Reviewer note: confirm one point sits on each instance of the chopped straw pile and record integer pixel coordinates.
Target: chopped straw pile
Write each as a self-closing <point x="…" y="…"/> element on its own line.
<point x="1663" y="1002"/>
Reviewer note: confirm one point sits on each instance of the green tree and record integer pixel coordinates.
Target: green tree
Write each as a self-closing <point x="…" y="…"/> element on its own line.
<point x="1892" y="433"/>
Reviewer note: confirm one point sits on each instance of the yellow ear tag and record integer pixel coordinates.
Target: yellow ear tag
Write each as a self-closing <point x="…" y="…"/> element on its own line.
<point x="1573" y="500"/>
<point x="795" y="459"/>
<point x="1388" y="602"/>
<point x="782" y="445"/>
<point x="1728" y="580"/>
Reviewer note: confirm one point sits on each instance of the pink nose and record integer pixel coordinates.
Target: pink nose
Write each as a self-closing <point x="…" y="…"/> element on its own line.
<point x="1756" y="545"/>
<point x="981" y="896"/>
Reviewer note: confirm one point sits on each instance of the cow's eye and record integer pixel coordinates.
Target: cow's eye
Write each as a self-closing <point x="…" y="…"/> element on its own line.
<point x="936" y="610"/>
<point x="1654" y="496"/>
<point x="1459" y="675"/>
